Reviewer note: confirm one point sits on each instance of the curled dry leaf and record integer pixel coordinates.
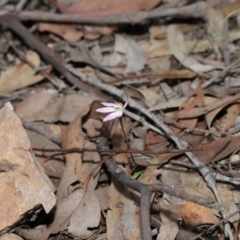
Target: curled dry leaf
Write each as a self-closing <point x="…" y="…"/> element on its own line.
<point x="24" y="185"/>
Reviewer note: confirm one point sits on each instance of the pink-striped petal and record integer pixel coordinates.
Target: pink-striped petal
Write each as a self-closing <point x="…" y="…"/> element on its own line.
<point x="105" y="110"/>
<point x="108" y="104"/>
<point x="112" y="116"/>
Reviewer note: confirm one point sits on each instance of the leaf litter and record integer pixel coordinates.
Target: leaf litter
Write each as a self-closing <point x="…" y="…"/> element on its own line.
<point x="182" y="68"/>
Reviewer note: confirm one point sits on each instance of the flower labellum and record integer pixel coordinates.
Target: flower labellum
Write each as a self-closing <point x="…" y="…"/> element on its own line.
<point x="115" y="110"/>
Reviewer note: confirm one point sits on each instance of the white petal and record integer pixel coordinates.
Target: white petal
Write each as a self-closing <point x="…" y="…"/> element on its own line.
<point x="108" y="104"/>
<point x="105" y="109"/>
<point x="112" y="116"/>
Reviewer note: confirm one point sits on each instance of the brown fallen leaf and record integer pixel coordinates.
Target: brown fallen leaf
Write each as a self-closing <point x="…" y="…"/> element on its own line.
<point x="63" y="208"/>
<point x="24" y="185"/>
<point x="232" y="114"/>
<point x="215" y="21"/>
<point x="229" y="10"/>
<point x="210" y="116"/>
<point x="21" y="75"/>
<point x="147" y="95"/>
<point x="163" y="49"/>
<point x="195" y="138"/>
<point x="69" y="32"/>
<point x="123" y="220"/>
<point x="169" y="226"/>
<point x="232" y="146"/>
<point x="195" y="215"/>
<point x="73" y="33"/>
<point x="103" y="196"/>
<point x="153" y="138"/>
<point x="171" y="74"/>
<point x="81" y="214"/>
<point x="197" y="100"/>
<point x="193" y="184"/>
<point x="53" y="167"/>
<point x="107" y="7"/>
<point x="210" y="151"/>
<point x="71" y="137"/>
<point x="160" y="32"/>
<point x="178" y="48"/>
<point x="37" y="233"/>
<point x="196" y="112"/>
<point x="52" y="108"/>
<point x="177" y="74"/>
<point x="94" y="32"/>
<point x="10" y="236"/>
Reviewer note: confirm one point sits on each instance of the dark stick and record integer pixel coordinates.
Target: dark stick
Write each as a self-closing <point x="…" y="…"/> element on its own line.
<point x="126" y="180"/>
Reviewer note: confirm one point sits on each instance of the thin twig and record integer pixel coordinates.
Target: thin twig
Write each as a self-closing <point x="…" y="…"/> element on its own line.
<point x="117" y="151"/>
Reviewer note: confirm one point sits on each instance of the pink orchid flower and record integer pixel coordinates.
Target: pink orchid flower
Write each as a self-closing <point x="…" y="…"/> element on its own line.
<point x="115" y="110"/>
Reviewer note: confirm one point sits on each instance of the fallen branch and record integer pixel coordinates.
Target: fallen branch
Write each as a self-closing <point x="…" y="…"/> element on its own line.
<point x="126" y="18"/>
